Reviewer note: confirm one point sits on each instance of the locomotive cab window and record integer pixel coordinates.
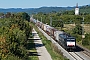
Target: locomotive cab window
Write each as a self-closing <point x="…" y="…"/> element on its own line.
<point x="71" y="40"/>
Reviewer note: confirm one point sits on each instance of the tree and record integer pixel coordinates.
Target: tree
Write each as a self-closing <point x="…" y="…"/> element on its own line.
<point x="77" y="30"/>
<point x="25" y="16"/>
<point x="8" y="15"/>
<point x="1" y="14"/>
<point x="14" y="31"/>
<point x="3" y="47"/>
<point x="59" y="24"/>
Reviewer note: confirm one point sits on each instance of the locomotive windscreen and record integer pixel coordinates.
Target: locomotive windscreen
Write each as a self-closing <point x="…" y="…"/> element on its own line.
<point x="71" y="40"/>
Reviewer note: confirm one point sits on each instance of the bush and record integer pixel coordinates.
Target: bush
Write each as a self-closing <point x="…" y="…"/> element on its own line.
<point x="77" y="30"/>
<point x="86" y="41"/>
<point x="55" y="48"/>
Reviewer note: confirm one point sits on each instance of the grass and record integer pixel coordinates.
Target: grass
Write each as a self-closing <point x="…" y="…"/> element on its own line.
<point x="32" y="53"/>
<point x="49" y="47"/>
<point x="87" y="28"/>
<point x="11" y="57"/>
<point x="88" y="47"/>
<point x="68" y="26"/>
<point x="71" y="26"/>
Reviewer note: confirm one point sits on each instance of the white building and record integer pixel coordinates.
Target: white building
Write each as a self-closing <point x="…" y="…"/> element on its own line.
<point x="77" y="10"/>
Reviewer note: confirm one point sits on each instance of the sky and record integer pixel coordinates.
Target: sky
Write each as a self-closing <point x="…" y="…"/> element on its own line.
<point x="41" y="3"/>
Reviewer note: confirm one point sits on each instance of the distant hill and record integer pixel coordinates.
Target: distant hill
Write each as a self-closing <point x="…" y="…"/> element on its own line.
<point x="85" y="8"/>
<point x="52" y="9"/>
<point x="36" y="10"/>
<point x="14" y="10"/>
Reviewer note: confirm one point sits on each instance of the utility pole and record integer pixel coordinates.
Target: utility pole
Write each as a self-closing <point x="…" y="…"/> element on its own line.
<point x="83" y="26"/>
<point x="41" y="19"/>
<point x="83" y="36"/>
<point x="50" y="21"/>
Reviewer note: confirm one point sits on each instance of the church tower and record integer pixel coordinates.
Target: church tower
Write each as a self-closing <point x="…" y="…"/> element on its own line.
<point x="77" y="10"/>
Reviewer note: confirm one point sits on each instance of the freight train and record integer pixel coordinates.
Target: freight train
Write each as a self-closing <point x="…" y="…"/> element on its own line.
<point x="65" y="40"/>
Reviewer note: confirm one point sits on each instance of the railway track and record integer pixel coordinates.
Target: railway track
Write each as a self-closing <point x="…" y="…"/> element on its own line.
<point x="86" y="53"/>
<point x="75" y="56"/>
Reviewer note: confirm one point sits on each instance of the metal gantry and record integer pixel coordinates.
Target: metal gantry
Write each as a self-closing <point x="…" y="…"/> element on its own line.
<point x="83" y="36"/>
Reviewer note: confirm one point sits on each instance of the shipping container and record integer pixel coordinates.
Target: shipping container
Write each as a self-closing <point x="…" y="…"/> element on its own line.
<point x="56" y="34"/>
<point x="45" y="27"/>
<point x="52" y="30"/>
<point x="48" y="29"/>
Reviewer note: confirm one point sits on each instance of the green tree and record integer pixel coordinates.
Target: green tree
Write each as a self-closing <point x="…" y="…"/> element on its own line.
<point x="86" y="41"/>
<point x="1" y="14"/>
<point x="14" y="31"/>
<point x="77" y="30"/>
<point x="8" y="15"/>
<point x="25" y="16"/>
<point x="59" y="24"/>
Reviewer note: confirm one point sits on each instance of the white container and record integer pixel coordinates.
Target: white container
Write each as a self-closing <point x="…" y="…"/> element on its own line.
<point x="48" y="28"/>
<point x="45" y="27"/>
<point x="56" y="34"/>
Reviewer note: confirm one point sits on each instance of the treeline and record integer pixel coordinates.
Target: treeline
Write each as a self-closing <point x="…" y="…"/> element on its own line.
<point x="14" y="32"/>
<point x="67" y="17"/>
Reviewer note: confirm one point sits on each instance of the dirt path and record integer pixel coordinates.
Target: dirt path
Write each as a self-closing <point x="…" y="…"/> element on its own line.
<point x="41" y="50"/>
